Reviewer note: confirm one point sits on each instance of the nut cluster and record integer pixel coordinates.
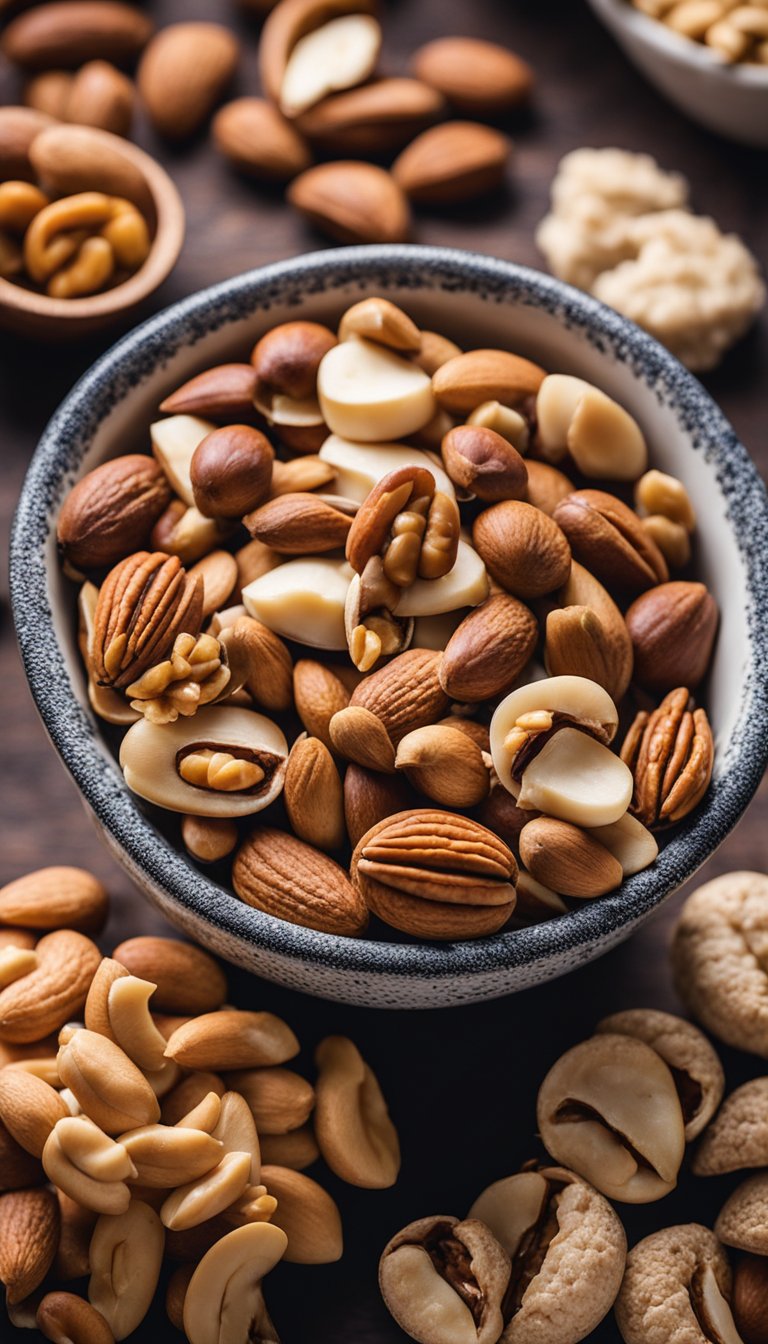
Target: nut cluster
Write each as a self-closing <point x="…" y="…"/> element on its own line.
<point x="167" y="1124"/>
<point x="733" y="31"/>
<point x="330" y="592"/>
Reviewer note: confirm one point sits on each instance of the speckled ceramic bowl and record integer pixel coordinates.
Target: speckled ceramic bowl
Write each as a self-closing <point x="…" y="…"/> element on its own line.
<point x="478" y="301"/>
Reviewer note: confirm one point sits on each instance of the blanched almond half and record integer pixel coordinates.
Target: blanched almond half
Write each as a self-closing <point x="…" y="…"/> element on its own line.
<point x="575" y="778"/>
<point x="92" y="1151"/>
<point x="96" y="1194"/>
<point x="126" y="1254"/>
<point x="224" y="1295"/>
<point x="303" y="600"/>
<point x="171" y="764"/>
<point x="360" y="466"/>
<point x="371" y="394"/>
<point x="629" y="841"/>
<point x="336" y="56"/>
<point x="173" y="443"/>
<point x="166" y="1155"/>
<point x="205" y="1115"/>
<point x="603" y="439"/>
<point x="131" y="1022"/>
<point x="236" y="1130"/>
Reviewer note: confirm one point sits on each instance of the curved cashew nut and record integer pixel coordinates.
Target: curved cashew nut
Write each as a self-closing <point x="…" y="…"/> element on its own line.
<point x="88" y="210"/>
<point x="19" y="203"/>
<point x="91" y="269"/>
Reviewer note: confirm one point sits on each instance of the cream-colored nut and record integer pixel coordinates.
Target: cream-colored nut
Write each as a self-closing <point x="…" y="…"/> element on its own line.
<point x="693" y="17"/>
<point x="131" y="1022"/>
<point x="163" y="1080"/>
<point x="126" y="1255"/>
<point x="109" y="1087"/>
<point x="29" y="1108"/>
<point x="743" y="1220"/>
<point x="97" y="1003"/>
<point x="603" y="439"/>
<point x="232" y="1039"/>
<point x="355" y="1134"/>
<point x="222" y="763"/>
<point x="205" y="1115"/>
<point x="187" y="533"/>
<point x="629" y="841"/>
<point x="15" y="962"/>
<point x="198" y="1200"/>
<point x="380" y="320"/>
<point x="676" y="1286"/>
<point x="725" y="38"/>
<point x="738" y="1135"/>
<point x="444" y="1281"/>
<point x="108" y="704"/>
<point x="360" y="466"/>
<point x="209" y="839"/>
<point x="224" y="1302"/>
<point x="609" y="1110"/>
<point x="236" y="1130"/>
<point x="167" y="1155"/>
<point x="371" y="394"/>
<point x="536" y="902"/>
<point x="65" y="1318"/>
<point x="656" y="492"/>
<point x="567" y="1248"/>
<point x="693" y="1063"/>
<point x="503" y="420"/>
<point x="566" y="857"/>
<point x="373" y="630"/>
<point x="75" y="1171"/>
<point x="303" y="600"/>
<point x="572" y="776"/>
<point x="174" y="441"/>
<point x="465" y="586"/>
<point x="719" y="953"/>
<point x="188" y="1094"/>
<point x="254" y="1206"/>
<point x="279" y="1099"/>
<point x="307" y="1215"/>
<point x="671" y="538"/>
<point x="337" y="55"/>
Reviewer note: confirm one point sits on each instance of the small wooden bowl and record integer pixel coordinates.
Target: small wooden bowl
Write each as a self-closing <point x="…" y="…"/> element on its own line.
<point x="63" y="160"/>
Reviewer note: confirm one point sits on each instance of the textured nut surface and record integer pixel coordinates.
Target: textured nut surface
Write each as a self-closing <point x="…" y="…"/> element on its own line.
<point x="484" y="463"/>
<point x="354" y="203"/>
<point x="671" y="753"/>
<point x="224" y="391"/>
<point x="609" y="1109"/>
<point x="29" y="1108"/>
<point x="568" y="859"/>
<point x="260" y="658"/>
<point x="68" y="1319"/>
<point x="186" y="979"/>
<point x="523" y="548"/>
<point x="232" y="1039"/>
<point x="126" y="1255"/>
<point x="30" y="1223"/>
<point x="279" y="1099"/>
<point x="692" y="1061"/>
<point x="720" y="959"/>
<point x="354" y="1132"/>
<point x="112" y="510"/>
<point x="743" y="1220"/>
<point x="463" y="383"/>
<point x="57" y="897"/>
<point x="404" y="695"/>
<point x="307" y="1214"/>
<point x="613" y="643"/>
<point x="319" y="694"/>
<point x="297" y="1149"/>
<point x="610" y="541"/>
<point x="672" y="628"/>
<point x="750" y="1294"/>
<point x="738" y="1135"/>
<point x="489" y="650"/>
<point x="677" y="1284"/>
<point x="54" y="992"/>
<point x="288" y="879"/>
<point x="369" y="797"/>
<point x="452" y="162"/>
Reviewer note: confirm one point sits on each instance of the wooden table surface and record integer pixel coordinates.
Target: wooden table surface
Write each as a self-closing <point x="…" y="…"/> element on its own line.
<point x="461" y="1083"/>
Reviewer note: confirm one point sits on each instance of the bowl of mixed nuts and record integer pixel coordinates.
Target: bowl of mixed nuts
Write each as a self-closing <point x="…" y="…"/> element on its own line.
<point x="397" y="613"/>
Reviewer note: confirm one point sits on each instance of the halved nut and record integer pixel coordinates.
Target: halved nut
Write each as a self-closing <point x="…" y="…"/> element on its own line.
<point x="88" y="1166"/>
<point x="224" y="1292"/>
<point x="380" y="320"/>
<point x="369" y="393"/>
<point x="109" y="1087"/>
<point x="236" y="1129"/>
<point x="201" y="1199"/>
<point x="173" y="443"/>
<point x="359" y="466"/>
<point x="603" y="439"/>
<point x="303" y="600"/>
<point x="126" y="1254"/>
<point x="677" y="1283"/>
<point x="338" y="55"/>
<point x="356" y="1136"/>
<point x="131" y="1021"/>
<point x="223" y="763"/>
<point x="167" y="1155"/>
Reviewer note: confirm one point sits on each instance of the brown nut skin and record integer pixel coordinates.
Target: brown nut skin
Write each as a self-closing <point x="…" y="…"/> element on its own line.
<point x="485" y="463"/>
<point x="667" y="1280"/>
<point x="231" y="471"/>
<point x="568" y="859"/>
<point x="30" y="1222"/>
<point x="750" y="1299"/>
<point x="479" y="78"/>
<point x="610" y="540"/>
<point x="467" y="1256"/>
<point x="489" y="650"/>
<point x="111" y="511"/>
<point x="224" y="392"/>
<point x="287" y="358"/>
<point x="54" y="898"/>
<point x="743" y="1220"/>
<point x="672" y="628"/>
<point x="523" y="548"/>
<point x="188" y="979"/>
<point x="353" y="202"/>
<point x="259" y="141"/>
<point x="47" y="38"/>
<point x="66" y="1318"/>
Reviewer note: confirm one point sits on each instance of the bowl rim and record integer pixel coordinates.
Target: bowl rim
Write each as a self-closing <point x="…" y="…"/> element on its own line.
<point x="679" y="48"/>
<point x="79" y="743"/>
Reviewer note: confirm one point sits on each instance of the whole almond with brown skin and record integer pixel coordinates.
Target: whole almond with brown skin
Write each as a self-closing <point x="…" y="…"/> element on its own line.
<point x="290" y="21"/>
<point x="280" y="1099"/>
<point x="101" y="95"/>
<point x="582" y="590"/>
<point x="319" y="695"/>
<point x="111" y="511"/>
<point x="478" y="732"/>
<point x="232" y="1038"/>
<point x="183" y="73"/>
<point x="610" y="540"/>
<point x="29" y="1108"/>
<point x="487" y="652"/>
<point x="750" y="1299"/>
<point x="369" y="797"/>
<point x="17" y="1167"/>
<point x="96" y="1014"/>
<point x="375" y="119"/>
<point x="18" y="128"/>
<point x="546" y="486"/>
<point x="452" y="162"/>
<point x="479" y="78"/>
<point x="404" y="695"/>
<point x="308" y="1216"/>
<point x="352" y="202"/>
<point x="231" y="471"/>
<point x="445" y="765"/>
<point x="52" y="898"/>
<point x="70" y="159"/>
<point x="672" y="628"/>
<point x="175" y="1294"/>
<point x="29" y="1233"/>
<point x="258" y="140"/>
<point x="299" y="524"/>
<point x="224" y="392"/>
<point x="524" y="549"/>
<point x="312" y="795"/>
<point x="359" y="735"/>
<point x="66" y="1318"/>
<point x="466" y="381"/>
<point x="568" y="859"/>
<point x="52" y="994"/>
<point x="286" y="878"/>
<point x="72" y="1258"/>
<point x="261" y="658"/>
<point x="188" y="979"/>
<point x="65" y="35"/>
<point x="481" y="461"/>
<point x="49" y="92"/>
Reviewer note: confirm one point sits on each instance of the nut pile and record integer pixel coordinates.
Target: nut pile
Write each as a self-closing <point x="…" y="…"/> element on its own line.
<point x="167" y="1125"/>
<point x="541" y="1256"/>
<point x="733" y="31"/>
<point x="368" y="667"/>
<point x="621" y="228"/>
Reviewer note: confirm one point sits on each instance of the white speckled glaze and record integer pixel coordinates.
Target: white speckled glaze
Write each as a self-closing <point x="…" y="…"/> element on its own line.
<point x="477" y="300"/>
<point x="729" y="99"/>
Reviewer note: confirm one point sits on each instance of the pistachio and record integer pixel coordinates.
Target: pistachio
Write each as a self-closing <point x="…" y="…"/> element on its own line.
<point x="677" y="1283"/>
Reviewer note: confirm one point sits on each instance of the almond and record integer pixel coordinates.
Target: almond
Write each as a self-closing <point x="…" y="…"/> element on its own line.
<point x="256" y="138"/>
<point x="466" y="381"/>
<point x="302" y="474"/>
<point x="111" y="511"/>
<point x="452" y="162"/>
<point x="233" y="1039"/>
<point x="568" y="859"/>
<point x="296" y="1149"/>
<point x="308" y="1216"/>
<point x="65" y="35"/>
<point x="577" y="644"/>
<point x="97" y="1003"/>
<point x="478" y="78"/>
<point x="72" y="1261"/>
<point x="288" y="879"/>
<point x="523" y="548"/>
<point x="53" y="898"/>
<point x="19" y="126"/>
<point x="610" y="541"/>
<point x="287" y="24"/>
<point x="489" y="650"/>
<point x="445" y="764"/>
<point x="369" y="797"/>
<point x="484" y="463"/>
<point x="224" y="392"/>
<point x="299" y="524"/>
<point x="319" y="695"/>
<point x="313" y="796"/>
<point x="404" y="695"/>
<point x="54" y="992"/>
<point x="67" y="1317"/>
<point x="189" y="1093"/>
<point x="188" y="980"/>
<point x="546" y="486"/>
<point x="183" y="73"/>
<point x="672" y="628"/>
<point x="70" y="159"/>
<point x="49" y="92"/>
<point x="17" y="1167"/>
<point x="280" y="1099"/>
<point x="100" y="95"/>
<point x="615" y="646"/>
<point x="352" y="202"/>
<point x="260" y="658"/>
<point x="29" y="1223"/>
<point x="377" y="118"/>
<point x="336" y="55"/>
<point x="29" y="1108"/>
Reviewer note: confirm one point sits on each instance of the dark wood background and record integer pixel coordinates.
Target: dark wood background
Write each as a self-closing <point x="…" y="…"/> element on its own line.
<point x="461" y="1083"/>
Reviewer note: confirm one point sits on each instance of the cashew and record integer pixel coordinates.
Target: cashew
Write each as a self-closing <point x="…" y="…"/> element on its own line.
<point x="224" y="1302"/>
<point x="126" y="1254"/>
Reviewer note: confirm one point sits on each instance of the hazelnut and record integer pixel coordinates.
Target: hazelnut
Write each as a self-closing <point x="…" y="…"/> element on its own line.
<point x="231" y="471"/>
<point x="750" y="1299"/>
<point x="672" y="628"/>
<point x="485" y="463"/>
<point x="286" y="360"/>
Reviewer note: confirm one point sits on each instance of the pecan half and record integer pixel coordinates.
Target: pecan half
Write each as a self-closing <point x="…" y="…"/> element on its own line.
<point x="670" y="753"/>
<point x="144" y="603"/>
